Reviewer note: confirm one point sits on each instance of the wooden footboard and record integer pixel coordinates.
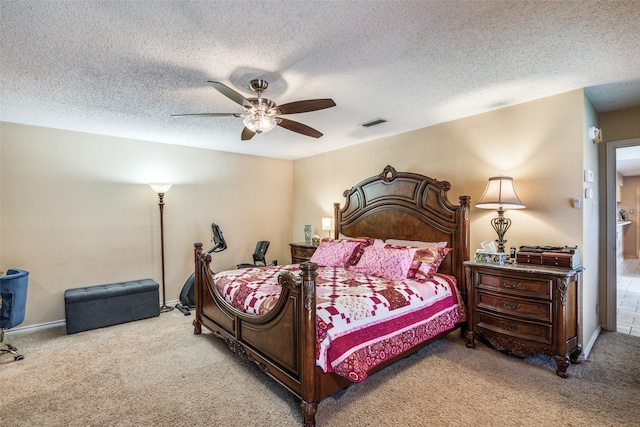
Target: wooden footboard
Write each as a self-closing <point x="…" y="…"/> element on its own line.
<point x="281" y="343"/>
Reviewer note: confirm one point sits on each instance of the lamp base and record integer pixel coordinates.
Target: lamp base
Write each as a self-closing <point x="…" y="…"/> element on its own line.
<point x="501" y="225"/>
<point x="165" y="308"/>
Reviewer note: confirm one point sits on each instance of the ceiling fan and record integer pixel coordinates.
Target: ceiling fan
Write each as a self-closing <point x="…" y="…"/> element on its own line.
<point x="262" y="115"/>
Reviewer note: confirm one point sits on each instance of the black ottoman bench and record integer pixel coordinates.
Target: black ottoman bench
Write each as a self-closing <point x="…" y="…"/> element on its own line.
<point x="95" y="307"/>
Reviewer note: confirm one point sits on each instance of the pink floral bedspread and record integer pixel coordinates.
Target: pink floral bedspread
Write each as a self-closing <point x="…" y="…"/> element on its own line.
<point x="362" y="320"/>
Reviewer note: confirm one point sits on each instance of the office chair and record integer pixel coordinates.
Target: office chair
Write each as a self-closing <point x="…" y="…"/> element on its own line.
<point x="13" y="304"/>
<point x="259" y="256"/>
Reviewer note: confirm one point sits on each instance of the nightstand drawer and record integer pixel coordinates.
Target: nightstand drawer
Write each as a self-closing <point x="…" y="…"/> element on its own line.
<point x="515" y="307"/>
<point x="301" y="252"/>
<point x="523" y="286"/>
<point x="541" y="333"/>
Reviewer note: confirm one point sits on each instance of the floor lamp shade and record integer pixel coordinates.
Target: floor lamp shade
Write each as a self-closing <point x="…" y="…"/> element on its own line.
<point x="161" y="189"/>
<point x="500" y="195"/>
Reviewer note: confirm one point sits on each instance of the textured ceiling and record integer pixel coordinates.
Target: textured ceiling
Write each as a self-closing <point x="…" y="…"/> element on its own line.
<point x="122" y="68"/>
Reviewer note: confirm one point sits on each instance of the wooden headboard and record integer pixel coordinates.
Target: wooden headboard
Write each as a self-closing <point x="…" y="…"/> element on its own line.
<point x="407" y="206"/>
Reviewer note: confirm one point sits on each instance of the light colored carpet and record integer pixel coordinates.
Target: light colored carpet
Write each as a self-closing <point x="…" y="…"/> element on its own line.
<point x="155" y="372"/>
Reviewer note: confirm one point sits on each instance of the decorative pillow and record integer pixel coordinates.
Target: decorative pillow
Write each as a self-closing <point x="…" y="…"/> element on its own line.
<point x="416" y="243"/>
<point x="357" y="253"/>
<point x="388" y="262"/>
<point x="334" y="253"/>
<point x="426" y="262"/>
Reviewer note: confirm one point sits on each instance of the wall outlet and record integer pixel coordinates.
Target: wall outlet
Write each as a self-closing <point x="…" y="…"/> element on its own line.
<point x="577" y="203"/>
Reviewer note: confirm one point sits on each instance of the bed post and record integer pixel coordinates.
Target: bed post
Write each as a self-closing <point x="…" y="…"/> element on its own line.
<point x="197" y="255"/>
<point x="336" y="220"/>
<point x="463" y="244"/>
<point x="309" y="403"/>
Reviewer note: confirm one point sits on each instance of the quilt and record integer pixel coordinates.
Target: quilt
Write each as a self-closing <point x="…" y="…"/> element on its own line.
<point x="361" y="320"/>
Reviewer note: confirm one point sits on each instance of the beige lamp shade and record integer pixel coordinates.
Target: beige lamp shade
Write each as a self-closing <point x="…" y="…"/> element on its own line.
<point x="327" y="224"/>
<point x="500" y="194"/>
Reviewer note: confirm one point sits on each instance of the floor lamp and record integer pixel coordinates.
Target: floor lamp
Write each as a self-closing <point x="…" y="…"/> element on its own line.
<point x="161" y="189"/>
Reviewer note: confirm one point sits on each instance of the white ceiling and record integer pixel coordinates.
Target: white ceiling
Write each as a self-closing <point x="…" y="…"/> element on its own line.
<point x="122" y="68"/>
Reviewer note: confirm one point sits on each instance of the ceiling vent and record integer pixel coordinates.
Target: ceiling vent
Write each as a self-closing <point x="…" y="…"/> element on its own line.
<point x="373" y="123"/>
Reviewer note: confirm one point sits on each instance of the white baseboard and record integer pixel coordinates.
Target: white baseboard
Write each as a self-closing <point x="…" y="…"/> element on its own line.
<point x="54" y="324"/>
<point x="586" y="348"/>
<point x="37" y="327"/>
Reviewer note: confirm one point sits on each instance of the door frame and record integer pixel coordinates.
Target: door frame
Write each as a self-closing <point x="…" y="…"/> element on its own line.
<point x="636" y="206"/>
<point x="608" y="223"/>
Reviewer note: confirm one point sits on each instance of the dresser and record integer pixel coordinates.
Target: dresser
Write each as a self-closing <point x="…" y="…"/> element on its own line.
<point x="525" y="309"/>
<point x="301" y="252"/>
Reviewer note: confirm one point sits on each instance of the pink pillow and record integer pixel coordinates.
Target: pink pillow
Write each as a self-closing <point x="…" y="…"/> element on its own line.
<point x="357" y="253"/>
<point x="387" y="262"/>
<point x="426" y="262"/>
<point x="334" y="253"/>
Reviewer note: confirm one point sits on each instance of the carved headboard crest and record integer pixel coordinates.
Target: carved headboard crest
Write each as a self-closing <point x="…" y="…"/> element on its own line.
<point x="389" y="174"/>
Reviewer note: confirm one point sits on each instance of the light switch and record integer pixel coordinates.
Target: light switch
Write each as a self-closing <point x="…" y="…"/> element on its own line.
<point x="588" y="175"/>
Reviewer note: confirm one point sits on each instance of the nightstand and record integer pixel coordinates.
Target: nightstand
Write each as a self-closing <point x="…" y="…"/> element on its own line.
<point x="301" y="252"/>
<point x="524" y="309"/>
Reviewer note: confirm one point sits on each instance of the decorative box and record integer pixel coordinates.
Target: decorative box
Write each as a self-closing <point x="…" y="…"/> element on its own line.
<point x="565" y="256"/>
<point x="568" y="259"/>
<point x="491" y="258"/>
<point x="529" y="257"/>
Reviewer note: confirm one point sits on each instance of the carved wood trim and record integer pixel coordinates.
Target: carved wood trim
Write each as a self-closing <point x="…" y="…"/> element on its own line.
<point x="238" y="349"/>
<point x="510" y="345"/>
<point x="563" y="287"/>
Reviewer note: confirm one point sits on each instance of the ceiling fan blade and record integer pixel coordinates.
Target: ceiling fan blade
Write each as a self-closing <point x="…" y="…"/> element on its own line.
<point x="247" y="134"/>
<point x="306" y="106"/>
<point x="205" y="115"/>
<point x="299" y="127"/>
<point x="231" y="94"/>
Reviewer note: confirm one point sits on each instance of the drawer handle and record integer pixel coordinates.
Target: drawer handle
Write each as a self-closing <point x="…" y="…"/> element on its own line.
<point x="511" y="285"/>
<point x="510" y="307"/>
<point x="510" y="327"/>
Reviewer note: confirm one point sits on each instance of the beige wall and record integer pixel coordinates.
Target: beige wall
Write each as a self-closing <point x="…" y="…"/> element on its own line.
<point x="76" y="210"/>
<point x="542" y="144"/>
<point x="620" y="125"/>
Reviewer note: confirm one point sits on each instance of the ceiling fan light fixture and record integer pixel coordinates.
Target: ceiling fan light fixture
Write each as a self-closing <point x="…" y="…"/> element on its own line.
<point x="261" y="114"/>
<point x="259" y="122"/>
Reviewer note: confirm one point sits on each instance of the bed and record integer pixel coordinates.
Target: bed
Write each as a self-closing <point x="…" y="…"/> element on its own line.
<point x="286" y="334"/>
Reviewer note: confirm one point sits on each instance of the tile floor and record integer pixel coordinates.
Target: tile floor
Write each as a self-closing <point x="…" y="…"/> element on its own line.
<point x="628" y="290"/>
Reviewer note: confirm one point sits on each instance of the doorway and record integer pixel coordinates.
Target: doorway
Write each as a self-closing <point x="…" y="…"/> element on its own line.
<point x="609" y="224"/>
